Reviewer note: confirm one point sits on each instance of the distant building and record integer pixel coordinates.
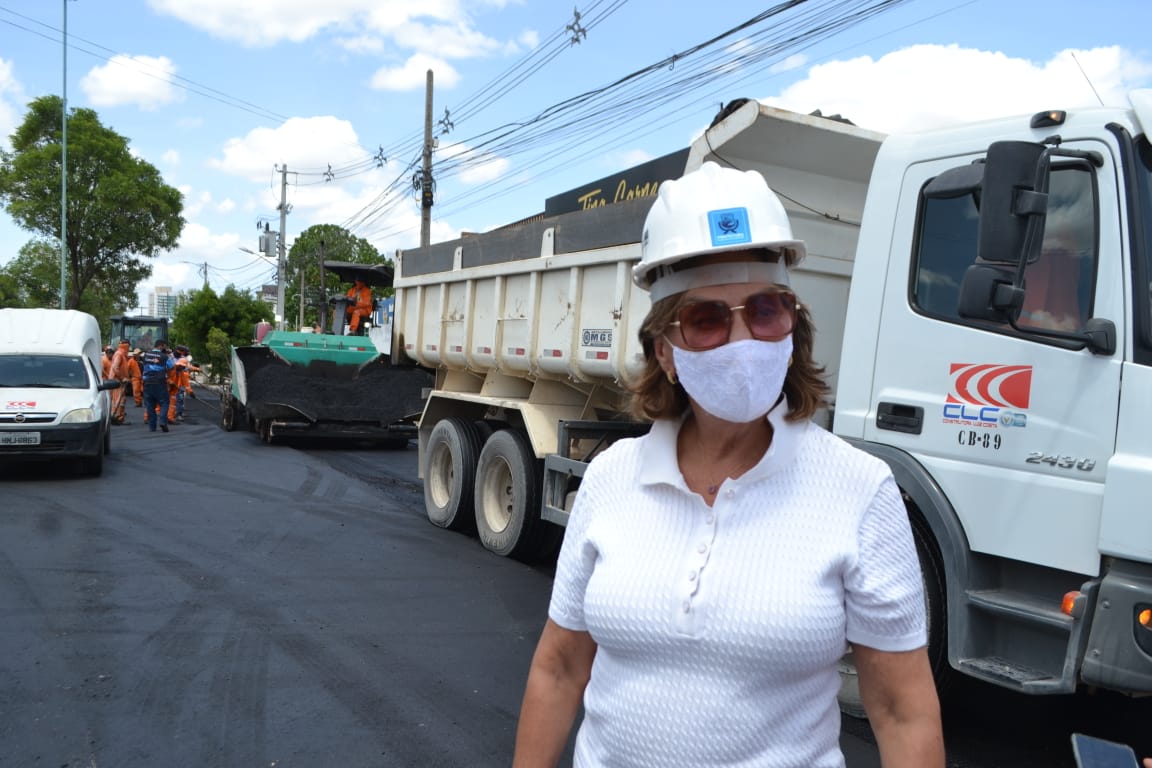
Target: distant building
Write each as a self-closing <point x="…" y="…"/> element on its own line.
<point x="162" y="302"/>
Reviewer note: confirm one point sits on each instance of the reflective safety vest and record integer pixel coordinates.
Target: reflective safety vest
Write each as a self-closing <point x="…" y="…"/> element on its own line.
<point x="155" y="366"/>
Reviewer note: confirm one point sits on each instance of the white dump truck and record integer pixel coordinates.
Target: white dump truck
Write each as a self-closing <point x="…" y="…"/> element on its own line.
<point x="982" y="302"/>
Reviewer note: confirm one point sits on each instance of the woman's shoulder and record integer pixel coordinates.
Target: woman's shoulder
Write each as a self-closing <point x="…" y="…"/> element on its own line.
<point x="822" y="448"/>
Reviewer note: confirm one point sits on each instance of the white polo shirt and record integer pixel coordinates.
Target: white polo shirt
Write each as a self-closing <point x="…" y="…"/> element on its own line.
<point x="719" y="628"/>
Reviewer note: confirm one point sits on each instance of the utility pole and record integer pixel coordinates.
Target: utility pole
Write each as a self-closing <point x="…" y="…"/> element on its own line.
<point x="321" y="311"/>
<point x="281" y="263"/>
<point x="426" y="176"/>
<point x="300" y="321"/>
<point x="64" y="171"/>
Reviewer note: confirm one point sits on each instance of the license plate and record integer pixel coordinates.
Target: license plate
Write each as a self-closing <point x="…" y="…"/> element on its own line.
<point x="20" y="438"/>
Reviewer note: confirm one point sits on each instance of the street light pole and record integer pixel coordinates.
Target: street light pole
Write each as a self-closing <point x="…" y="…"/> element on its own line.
<point x="64" y="169"/>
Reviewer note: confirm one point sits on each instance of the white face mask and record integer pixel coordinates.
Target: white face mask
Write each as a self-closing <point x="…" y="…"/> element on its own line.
<point x="739" y="381"/>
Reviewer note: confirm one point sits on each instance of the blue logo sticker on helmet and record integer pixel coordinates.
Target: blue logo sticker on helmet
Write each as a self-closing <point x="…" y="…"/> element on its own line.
<point x="729" y="227"/>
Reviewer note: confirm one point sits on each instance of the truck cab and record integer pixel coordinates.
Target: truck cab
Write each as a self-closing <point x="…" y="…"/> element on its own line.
<point x="996" y="354"/>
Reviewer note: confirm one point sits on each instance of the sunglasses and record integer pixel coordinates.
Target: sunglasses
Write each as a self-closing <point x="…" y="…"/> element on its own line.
<point x="769" y="316"/>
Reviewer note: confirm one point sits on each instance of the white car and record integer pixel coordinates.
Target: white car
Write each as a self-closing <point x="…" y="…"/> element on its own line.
<point x="53" y="401"/>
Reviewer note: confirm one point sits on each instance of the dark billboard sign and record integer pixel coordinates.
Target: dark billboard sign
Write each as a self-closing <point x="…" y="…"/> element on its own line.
<point x="639" y="181"/>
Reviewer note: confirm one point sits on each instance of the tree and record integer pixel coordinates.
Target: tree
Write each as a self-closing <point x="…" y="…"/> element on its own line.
<point x="206" y="318"/>
<point x="119" y="209"/>
<point x="330" y="243"/>
<point x="10" y="292"/>
<point x="35" y="273"/>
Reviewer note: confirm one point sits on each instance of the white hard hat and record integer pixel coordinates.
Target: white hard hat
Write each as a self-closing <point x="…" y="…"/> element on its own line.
<point x="713" y="210"/>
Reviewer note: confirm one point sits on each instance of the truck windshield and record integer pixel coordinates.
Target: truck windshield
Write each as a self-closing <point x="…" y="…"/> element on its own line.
<point x="43" y="371"/>
<point x="139" y="333"/>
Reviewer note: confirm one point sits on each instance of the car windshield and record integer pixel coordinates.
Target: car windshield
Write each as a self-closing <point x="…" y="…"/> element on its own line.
<point x="43" y="371"/>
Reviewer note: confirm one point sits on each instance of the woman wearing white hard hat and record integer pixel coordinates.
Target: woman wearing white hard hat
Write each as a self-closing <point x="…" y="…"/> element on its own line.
<point x="715" y="570"/>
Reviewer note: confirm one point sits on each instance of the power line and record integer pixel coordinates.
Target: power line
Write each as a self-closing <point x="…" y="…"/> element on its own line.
<point x="655" y="93"/>
<point x="165" y="76"/>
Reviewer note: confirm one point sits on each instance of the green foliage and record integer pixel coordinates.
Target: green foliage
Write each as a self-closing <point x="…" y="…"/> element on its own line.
<point x="326" y="242"/>
<point x="217" y="358"/>
<point x="35" y="277"/>
<point x="233" y="314"/>
<point x="119" y="209"/>
<point x="10" y="295"/>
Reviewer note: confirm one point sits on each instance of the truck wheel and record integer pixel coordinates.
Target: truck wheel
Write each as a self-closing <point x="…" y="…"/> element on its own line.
<point x="228" y="415"/>
<point x="450" y="474"/>
<point x="932" y="574"/>
<point x="509" y="479"/>
<point x="264" y="428"/>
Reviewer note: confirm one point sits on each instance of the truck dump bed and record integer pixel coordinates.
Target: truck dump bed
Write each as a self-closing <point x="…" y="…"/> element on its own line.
<point x="552" y="299"/>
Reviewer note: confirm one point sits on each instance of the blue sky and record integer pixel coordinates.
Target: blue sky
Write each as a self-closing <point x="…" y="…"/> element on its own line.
<point x="217" y="94"/>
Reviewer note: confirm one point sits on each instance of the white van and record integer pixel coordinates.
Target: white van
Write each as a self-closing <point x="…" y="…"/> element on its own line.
<point x="53" y="399"/>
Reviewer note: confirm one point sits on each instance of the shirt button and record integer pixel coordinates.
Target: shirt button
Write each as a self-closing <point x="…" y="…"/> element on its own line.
<point x="691" y="575"/>
<point x="708" y="519"/>
<point x="730" y="493"/>
<point x="702" y="548"/>
<point x="687" y="606"/>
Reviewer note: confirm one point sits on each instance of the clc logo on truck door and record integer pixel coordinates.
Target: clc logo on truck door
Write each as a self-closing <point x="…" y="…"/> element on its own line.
<point x="978" y="392"/>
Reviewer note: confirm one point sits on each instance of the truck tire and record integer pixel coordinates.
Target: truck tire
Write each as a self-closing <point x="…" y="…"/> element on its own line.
<point x="509" y="479"/>
<point x="450" y="474"/>
<point x="932" y="574"/>
<point x="228" y="415"/>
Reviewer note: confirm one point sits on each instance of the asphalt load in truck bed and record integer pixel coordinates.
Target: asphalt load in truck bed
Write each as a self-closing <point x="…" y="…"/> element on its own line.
<point x="380" y="392"/>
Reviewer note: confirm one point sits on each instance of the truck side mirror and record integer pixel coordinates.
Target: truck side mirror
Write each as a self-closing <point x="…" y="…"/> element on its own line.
<point x="989" y="292"/>
<point x="1015" y="202"/>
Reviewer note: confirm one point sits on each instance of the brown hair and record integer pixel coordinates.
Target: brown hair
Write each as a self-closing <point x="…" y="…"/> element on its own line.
<point x="655" y="397"/>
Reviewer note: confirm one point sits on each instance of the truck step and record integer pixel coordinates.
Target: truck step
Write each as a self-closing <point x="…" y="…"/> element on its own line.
<point x="1011" y="673"/>
<point x="1025" y="607"/>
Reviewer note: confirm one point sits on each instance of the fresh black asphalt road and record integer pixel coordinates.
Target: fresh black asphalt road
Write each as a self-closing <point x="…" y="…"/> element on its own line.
<point x="214" y="601"/>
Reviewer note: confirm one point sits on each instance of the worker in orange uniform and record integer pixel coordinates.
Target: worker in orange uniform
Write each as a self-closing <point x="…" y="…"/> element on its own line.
<point x="106" y="362"/>
<point x="137" y="377"/>
<point x="186" y="368"/>
<point x="174" y="374"/>
<point x="360" y="306"/>
<point x="118" y="371"/>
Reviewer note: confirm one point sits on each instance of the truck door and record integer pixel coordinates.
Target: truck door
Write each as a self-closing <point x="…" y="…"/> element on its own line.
<point x="1016" y="428"/>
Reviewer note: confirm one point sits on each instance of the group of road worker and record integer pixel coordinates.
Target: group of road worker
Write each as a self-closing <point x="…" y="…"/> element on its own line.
<point x="127" y="366"/>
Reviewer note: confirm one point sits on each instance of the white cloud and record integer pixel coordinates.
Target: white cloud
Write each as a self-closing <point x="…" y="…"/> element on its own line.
<point x="529" y="39"/>
<point x="448" y="41"/>
<point x="171" y="158"/>
<point x="634" y="157"/>
<point x="262" y="22"/>
<point x="481" y="168"/>
<point x="268" y="22"/>
<point x="795" y="61"/>
<point x="313" y="143"/>
<point x="12" y="101"/>
<point x="361" y="44"/>
<point x="413" y="75"/>
<point x="928" y="86"/>
<point x="145" y="81"/>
